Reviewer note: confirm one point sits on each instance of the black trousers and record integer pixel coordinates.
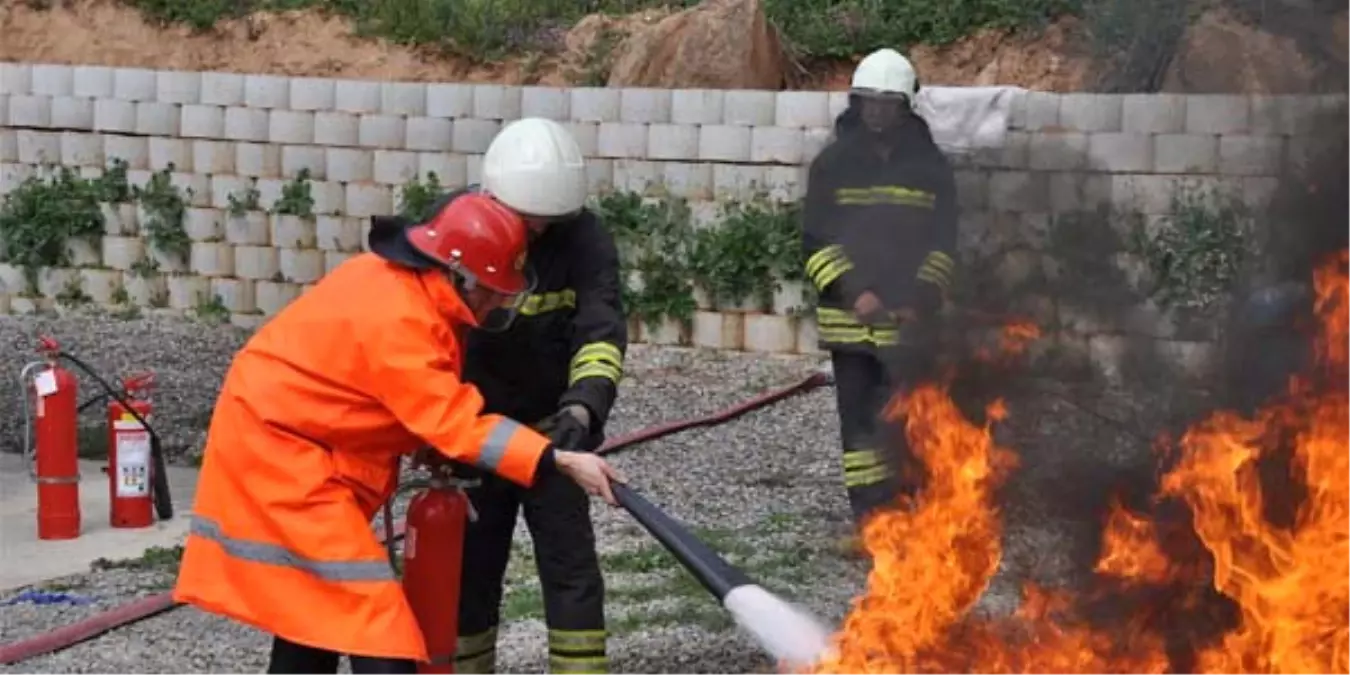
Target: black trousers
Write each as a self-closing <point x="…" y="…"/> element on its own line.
<point x="878" y="463"/>
<point x="289" y="657"/>
<point x="557" y="512"/>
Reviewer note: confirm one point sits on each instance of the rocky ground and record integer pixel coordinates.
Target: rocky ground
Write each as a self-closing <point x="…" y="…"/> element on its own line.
<point x="765" y="490"/>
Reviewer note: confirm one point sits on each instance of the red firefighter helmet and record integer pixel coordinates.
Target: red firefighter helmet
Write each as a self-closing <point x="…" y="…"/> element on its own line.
<point x="472" y="235"/>
<point x="480" y="239"/>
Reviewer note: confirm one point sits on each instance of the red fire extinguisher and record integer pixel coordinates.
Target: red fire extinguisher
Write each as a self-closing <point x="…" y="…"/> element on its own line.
<point x="54" y="455"/>
<point x="130" y="466"/>
<point x="433" y="551"/>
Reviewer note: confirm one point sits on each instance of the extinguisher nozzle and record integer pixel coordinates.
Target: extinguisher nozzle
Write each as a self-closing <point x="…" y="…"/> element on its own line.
<point x="785" y="631"/>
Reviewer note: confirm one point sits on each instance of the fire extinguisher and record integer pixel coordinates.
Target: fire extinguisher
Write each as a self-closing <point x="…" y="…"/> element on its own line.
<point x="131" y="471"/>
<point x="50" y="399"/>
<point x="433" y="552"/>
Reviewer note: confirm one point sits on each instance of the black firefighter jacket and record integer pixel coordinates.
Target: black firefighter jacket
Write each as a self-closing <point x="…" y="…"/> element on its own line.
<point x="568" y="343"/>
<point x="884" y="224"/>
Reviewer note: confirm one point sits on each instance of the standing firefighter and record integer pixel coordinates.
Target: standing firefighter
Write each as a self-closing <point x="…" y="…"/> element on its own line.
<point x="314" y="415"/>
<point x="558" y="366"/>
<point x="879" y="232"/>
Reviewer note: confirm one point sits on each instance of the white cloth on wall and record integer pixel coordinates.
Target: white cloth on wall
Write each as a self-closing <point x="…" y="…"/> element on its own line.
<point x="966" y="119"/>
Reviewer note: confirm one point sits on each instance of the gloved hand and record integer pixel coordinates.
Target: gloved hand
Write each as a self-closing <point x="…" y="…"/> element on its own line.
<point x="567" y="428"/>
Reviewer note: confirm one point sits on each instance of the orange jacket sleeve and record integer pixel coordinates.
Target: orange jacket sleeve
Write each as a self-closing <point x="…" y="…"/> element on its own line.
<point x="415" y="376"/>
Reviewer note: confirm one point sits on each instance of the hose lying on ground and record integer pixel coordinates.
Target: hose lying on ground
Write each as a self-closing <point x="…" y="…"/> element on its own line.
<point x="144" y="608"/>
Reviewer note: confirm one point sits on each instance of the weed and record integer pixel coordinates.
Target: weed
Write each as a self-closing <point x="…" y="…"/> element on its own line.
<point x="72" y="293"/>
<point x="211" y="309"/>
<point x="296" y="198"/>
<point x="154" y="558"/>
<point x="165" y="207"/>
<point x="42" y="214"/>
<point x="145" y="268"/>
<point x="418" y="196"/>
<point x="119" y="295"/>
<point x="755" y="245"/>
<point x="247" y="200"/>
<point x="1197" y="254"/>
<point x="112" y="186"/>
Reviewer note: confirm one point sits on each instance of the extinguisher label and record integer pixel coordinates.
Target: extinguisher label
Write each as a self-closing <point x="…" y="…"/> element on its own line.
<point x="45" y="383"/>
<point x="410" y="543"/>
<point x="133" y="462"/>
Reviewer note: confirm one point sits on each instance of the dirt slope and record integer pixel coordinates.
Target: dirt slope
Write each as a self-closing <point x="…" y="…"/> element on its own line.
<point x="304" y="43"/>
<point x="1211" y="57"/>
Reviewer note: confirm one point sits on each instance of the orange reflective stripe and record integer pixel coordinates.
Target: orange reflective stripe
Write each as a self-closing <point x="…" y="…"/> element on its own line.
<point x="273" y="554"/>
<point x="511" y="450"/>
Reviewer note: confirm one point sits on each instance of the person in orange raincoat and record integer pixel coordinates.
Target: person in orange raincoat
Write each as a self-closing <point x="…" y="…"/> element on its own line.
<point x="315" y="413"/>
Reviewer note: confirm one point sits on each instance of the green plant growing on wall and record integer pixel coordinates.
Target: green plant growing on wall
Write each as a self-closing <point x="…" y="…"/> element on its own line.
<point x="211" y="309"/>
<point x="245" y="200"/>
<point x="418" y="196"/>
<point x="296" y="198"/>
<point x="145" y="268"/>
<point x="654" y="239"/>
<point x="1197" y="253"/>
<point x="72" y="293"/>
<point x="40" y="216"/>
<point x="119" y="295"/>
<point x="165" y="207"/>
<point x="753" y="248"/>
<point x="113" y="186"/>
<point x="123" y="308"/>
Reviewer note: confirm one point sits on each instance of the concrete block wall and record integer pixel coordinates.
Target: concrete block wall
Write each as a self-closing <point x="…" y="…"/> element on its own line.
<point x="360" y="141"/>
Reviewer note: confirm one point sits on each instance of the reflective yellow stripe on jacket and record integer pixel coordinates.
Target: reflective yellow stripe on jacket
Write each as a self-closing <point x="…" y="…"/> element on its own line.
<point x="825" y="266"/>
<point x="937" y="268"/>
<point x="540" y="303"/>
<point x="597" y="359"/>
<point x="839" y="327"/>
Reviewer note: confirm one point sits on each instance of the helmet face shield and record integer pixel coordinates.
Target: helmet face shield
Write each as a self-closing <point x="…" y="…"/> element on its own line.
<point x="880" y="111"/>
<point x="501" y="309"/>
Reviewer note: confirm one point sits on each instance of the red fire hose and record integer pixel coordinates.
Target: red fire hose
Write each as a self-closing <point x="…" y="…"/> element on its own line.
<point x="144" y="608"/>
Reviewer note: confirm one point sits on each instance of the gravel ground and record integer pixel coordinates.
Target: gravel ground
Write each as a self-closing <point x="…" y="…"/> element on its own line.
<point x="764" y="489"/>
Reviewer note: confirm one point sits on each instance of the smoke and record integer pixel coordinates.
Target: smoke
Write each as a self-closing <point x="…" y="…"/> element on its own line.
<point x="1265" y="335"/>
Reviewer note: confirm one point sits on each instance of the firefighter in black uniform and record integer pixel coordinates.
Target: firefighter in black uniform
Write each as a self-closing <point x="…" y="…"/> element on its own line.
<point x="558" y="365"/>
<point x="879" y="233"/>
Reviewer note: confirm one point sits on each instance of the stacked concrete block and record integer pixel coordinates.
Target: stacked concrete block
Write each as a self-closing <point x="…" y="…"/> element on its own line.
<point x="228" y="136"/>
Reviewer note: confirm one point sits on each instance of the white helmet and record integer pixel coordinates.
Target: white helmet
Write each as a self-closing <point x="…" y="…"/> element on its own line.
<point x="535" y="167"/>
<point x="885" y="71"/>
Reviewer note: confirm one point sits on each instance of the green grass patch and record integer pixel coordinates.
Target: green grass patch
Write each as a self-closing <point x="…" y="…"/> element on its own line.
<point x="647" y="587"/>
<point x="154" y="558"/>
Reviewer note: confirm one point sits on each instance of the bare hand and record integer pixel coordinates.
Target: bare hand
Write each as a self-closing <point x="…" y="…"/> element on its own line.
<point x="905" y="314"/>
<point x="589" y="471"/>
<point x="867" y="304"/>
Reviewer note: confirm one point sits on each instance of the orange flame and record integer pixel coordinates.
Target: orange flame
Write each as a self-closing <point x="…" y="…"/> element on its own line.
<point x="934" y="556"/>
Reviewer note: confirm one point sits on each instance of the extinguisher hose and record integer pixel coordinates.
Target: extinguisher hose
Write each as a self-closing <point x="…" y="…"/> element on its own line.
<point x="159" y="487"/>
<point x="29" y="423"/>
